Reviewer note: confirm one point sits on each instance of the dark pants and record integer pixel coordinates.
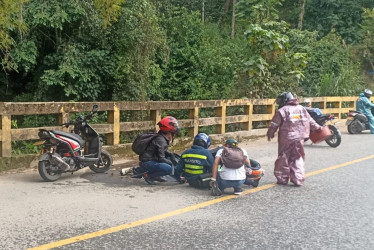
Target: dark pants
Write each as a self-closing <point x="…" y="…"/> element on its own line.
<point x="156" y="169"/>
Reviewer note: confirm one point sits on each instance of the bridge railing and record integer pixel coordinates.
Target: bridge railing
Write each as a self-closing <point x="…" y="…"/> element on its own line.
<point x="253" y="111"/>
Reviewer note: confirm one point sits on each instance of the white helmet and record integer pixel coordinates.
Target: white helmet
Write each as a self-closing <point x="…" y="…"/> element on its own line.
<point x="368" y="92"/>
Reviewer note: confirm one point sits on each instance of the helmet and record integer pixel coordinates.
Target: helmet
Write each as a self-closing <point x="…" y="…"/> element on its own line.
<point x="306" y="103"/>
<point x="283" y="98"/>
<point x="232" y="143"/>
<point x="202" y="139"/>
<point x="368" y="93"/>
<point x="169" y="124"/>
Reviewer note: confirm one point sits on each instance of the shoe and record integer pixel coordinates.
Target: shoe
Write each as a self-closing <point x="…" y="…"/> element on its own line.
<point x="215" y="189"/>
<point x="238" y="191"/>
<point x="148" y="179"/>
<point x="121" y="173"/>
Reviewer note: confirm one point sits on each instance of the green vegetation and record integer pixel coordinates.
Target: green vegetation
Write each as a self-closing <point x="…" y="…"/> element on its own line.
<point x="100" y="50"/>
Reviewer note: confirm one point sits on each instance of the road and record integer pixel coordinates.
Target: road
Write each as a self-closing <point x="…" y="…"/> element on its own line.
<point x="333" y="210"/>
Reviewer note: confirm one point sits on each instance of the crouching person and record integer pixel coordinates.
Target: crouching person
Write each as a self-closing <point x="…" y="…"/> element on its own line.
<point x="233" y="171"/>
<point x="195" y="165"/>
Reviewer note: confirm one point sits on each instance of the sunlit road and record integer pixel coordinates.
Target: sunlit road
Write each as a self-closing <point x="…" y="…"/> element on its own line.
<point x="333" y="210"/>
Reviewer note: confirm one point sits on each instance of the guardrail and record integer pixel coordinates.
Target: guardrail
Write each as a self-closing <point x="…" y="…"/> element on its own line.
<point x="252" y="112"/>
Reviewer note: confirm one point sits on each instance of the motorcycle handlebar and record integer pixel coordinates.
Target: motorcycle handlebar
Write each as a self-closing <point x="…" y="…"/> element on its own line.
<point x="81" y="118"/>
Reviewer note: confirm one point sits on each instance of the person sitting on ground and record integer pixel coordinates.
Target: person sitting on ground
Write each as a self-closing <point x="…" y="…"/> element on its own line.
<point x="156" y="159"/>
<point x="233" y="171"/>
<point x="364" y="106"/>
<point x="195" y="165"/>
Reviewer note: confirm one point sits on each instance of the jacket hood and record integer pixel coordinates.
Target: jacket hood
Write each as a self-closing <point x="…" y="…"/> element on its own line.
<point x="293" y="102"/>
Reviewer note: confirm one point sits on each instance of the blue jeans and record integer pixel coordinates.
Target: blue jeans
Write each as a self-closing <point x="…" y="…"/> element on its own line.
<point x="156" y="169"/>
<point x="236" y="184"/>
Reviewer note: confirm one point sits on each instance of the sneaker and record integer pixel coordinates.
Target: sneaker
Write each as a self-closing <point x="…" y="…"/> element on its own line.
<point x="238" y="191"/>
<point x="215" y="189"/>
<point x="148" y="179"/>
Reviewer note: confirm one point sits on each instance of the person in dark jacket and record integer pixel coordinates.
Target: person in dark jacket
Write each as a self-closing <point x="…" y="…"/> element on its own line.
<point x="156" y="159"/>
<point x="195" y="165"/>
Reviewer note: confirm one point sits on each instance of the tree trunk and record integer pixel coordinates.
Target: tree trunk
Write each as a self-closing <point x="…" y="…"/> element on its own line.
<point x="227" y="4"/>
<point x="301" y="15"/>
<point x="233" y="20"/>
<point x="203" y="11"/>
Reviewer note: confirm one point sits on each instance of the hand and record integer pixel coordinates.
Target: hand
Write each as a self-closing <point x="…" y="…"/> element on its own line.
<point x="173" y="159"/>
<point x="211" y="183"/>
<point x="182" y="180"/>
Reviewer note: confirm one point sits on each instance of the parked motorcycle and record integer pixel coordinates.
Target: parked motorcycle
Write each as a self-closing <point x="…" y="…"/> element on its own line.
<point x="327" y="119"/>
<point x="64" y="152"/>
<point x="357" y="122"/>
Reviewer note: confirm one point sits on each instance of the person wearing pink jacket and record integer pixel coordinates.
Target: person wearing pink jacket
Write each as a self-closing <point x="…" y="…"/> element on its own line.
<point x="294" y="124"/>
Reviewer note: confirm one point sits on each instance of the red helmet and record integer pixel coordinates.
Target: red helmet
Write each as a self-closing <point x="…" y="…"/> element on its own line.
<point x="169" y="124"/>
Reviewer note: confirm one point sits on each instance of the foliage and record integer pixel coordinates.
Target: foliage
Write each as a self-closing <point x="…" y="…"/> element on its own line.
<point x="271" y="67"/>
<point x="88" y="50"/>
<point x="109" y="10"/>
<point x="139" y="50"/>
<point x="330" y="70"/>
<point x="11" y="21"/>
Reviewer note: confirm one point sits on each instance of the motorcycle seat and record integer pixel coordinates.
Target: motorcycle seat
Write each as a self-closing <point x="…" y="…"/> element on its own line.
<point x="69" y="135"/>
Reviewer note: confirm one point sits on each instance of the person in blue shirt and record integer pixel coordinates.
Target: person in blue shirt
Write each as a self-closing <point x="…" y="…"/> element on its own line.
<point x="364" y="106"/>
<point x="195" y="165"/>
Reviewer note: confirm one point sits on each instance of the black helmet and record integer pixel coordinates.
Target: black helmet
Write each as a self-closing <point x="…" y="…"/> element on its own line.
<point x="202" y="139"/>
<point x="368" y="93"/>
<point x="283" y="98"/>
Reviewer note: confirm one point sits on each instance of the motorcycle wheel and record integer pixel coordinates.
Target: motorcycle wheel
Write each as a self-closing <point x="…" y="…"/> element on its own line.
<point x="354" y="128"/>
<point x="335" y="139"/>
<point x="104" y="163"/>
<point x="48" y="172"/>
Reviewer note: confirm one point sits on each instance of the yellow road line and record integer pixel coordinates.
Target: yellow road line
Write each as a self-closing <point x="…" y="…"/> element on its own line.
<point x="178" y="211"/>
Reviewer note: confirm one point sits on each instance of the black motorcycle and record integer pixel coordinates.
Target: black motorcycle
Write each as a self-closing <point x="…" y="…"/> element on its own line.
<point x="327" y="119"/>
<point x="64" y="152"/>
<point x="357" y="122"/>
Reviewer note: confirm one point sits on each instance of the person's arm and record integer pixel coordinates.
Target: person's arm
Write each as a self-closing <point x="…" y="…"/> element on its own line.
<point x="312" y="123"/>
<point x="161" y="149"/>
<point x="274" y="125"/>
<point x="210" y="161"/>
<point x="368" y="103"/>
<point x="215" y="168"/>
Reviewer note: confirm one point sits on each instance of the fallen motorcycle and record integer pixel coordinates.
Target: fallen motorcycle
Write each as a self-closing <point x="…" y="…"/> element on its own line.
<point x="64" y="152"/>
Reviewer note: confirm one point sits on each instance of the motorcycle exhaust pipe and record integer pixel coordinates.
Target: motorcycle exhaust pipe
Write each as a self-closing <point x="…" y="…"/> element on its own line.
<point x="59" y="162"/>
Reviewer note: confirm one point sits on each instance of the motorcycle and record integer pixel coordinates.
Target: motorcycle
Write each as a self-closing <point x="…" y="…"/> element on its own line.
<point x="357" y="122"/>
<point x="64" y="152"/>
<point x="322" y="119"/>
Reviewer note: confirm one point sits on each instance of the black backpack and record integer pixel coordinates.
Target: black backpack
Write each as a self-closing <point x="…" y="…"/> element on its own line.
<point x="142" y="141"/>
<point x="233" y="157"/>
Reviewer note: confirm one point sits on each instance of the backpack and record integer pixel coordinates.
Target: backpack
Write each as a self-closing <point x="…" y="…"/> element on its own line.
<point x="233" y="157"/>
<point x="142" y="141"/>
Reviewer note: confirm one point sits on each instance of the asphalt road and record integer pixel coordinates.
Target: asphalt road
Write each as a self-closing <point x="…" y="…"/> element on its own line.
<point x="333" y="210"/>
